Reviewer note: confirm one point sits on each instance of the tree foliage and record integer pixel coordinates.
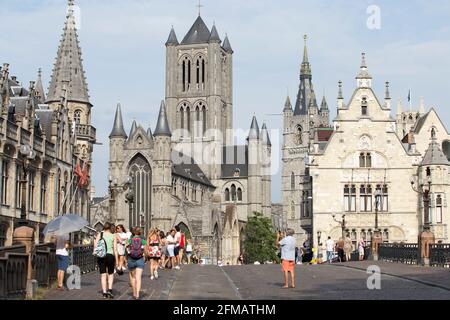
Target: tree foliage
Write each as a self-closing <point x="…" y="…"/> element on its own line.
<point x="259" y="243"/>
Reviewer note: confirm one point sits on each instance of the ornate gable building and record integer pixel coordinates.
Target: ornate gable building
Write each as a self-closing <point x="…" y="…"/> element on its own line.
<point x="187" y="172"/>
<point x="374" y="162"/>
<point x="56" y="129"/>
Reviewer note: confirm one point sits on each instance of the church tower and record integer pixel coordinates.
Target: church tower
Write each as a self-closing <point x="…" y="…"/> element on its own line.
<point x="199" y="97"/>
<point x="68" y="69"/>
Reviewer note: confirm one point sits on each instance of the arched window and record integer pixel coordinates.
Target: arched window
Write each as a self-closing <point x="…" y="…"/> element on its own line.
<point x="368" y="160"/>
<point x="197" y="121"/>
<point x="292" y="181"/>
<point x="365" y="160"/>
<point x="239" y="194"/>
<point x="227" y="194"/>
<point x="140" y="172"/>
<point x="233" y="192"/>
<point x="439" y="209"/>
<point x="18" y="185"/>
<point x="204" y="120"/>
<point x="365" y="198"/>
<point x="203" y="71"/>
<point x="362" y="160"/>
<point x="77" y="116"/>
<point x="188" y="119"/>
<point x="350" y="197"/>
<point x="186" y="74"/>
<point x="197" y="69"/>
<point x="386" y="235"/>
<point x="364" y="106"/>
<point x="385" y="198"/>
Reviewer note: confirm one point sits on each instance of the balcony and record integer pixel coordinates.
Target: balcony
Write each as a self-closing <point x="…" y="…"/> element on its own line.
<point x="86" y="132"/>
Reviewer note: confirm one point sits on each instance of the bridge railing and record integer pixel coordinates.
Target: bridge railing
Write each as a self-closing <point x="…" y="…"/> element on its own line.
<point x="440" y="255"/>
<point x="13" y="272"/>
<point x="399" y="252"/>
<point x="83" y="258"/>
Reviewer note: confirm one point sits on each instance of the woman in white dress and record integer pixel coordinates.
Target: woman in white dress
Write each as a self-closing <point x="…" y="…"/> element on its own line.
<point x="122" y="239"/>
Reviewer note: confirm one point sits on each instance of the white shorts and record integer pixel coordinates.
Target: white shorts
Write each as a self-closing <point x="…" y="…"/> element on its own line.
<point x="171" y="250"/>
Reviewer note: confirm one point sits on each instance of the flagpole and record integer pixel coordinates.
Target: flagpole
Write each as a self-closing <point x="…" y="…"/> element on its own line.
<point x="65" y="196"/>
<point x="74" y="195"/>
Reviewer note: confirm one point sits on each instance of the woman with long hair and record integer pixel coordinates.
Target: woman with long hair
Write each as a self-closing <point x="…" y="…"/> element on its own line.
<point x="154" y="252"/>
<point x="136" y="263"/>
<point x="107" y="263"/>
<point x="162" y="237"/>
<point x="122" y="239"/>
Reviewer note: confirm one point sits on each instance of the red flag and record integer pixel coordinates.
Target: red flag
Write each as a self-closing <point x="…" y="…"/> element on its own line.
<point x="77" y="170"/>
<point x="84" y="177"/>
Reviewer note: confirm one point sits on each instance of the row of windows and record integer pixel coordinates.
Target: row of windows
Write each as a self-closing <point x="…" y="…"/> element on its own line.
<point x="200" y="118"/>
<point x="233" y="194"/>
<point x="190" y="192"/>
<point x="199" y="67"/>
<point x="367" y="198"/>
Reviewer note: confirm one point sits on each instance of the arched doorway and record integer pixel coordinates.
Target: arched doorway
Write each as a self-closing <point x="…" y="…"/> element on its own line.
<point x="184" y="228"/>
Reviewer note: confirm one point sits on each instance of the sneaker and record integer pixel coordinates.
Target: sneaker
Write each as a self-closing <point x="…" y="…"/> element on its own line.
<point x="110" y="294"/>
<point x="156" y="274"/>
<point x="177" y="267"/>
<point x="152" y="278"/>
<point x="105" y="296"/>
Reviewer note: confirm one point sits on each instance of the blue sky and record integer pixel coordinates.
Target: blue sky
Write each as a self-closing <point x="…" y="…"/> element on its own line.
<point x="124" y="53"/>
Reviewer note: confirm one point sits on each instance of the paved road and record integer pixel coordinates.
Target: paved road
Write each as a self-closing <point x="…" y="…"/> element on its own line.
<point x="336" y="281"/>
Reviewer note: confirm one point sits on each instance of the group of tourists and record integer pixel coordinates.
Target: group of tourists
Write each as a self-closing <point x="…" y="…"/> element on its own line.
<point x="118" y="250"/>
<point x="343" y="249"/>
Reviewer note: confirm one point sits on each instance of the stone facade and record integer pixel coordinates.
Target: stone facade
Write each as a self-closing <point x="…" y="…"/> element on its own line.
<point x="187" y="172"/>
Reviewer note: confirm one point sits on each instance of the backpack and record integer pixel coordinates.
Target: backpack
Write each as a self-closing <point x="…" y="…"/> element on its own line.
<point x="182" y="240"/>
<point x="136" y="251"/>
<point x="101" y="248"/>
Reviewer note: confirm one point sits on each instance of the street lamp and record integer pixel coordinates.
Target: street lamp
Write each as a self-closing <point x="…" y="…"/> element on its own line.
<point x="377" y="205"/>
<point x="115" y="189"/>
<point x="424" y="191"/>
<point x="28" y="155"/>
<point x="342" y="223"/>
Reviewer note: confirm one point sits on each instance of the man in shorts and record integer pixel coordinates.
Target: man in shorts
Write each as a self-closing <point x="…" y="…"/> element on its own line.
<point x="287" y="245"/>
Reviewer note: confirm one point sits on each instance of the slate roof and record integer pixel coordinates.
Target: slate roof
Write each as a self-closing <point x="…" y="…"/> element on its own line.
<point x="118" y="129"/>
<point x="199" y="33"/>
<point x="434" y="156"/>
<point x="162" y="127"/>
<point x="188" y="169"/>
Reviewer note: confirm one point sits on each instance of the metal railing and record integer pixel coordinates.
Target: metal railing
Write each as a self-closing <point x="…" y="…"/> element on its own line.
<point x="440" y="255"/>
<point x="83" y="258"/>
<point x="44" y="264"/>
<point x="404" y="252"/>
<point x="13" y="272"/>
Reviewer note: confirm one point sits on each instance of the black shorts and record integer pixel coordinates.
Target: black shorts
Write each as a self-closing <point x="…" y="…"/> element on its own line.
<point x="106" y="264"/>
<point x="176" y="250"/>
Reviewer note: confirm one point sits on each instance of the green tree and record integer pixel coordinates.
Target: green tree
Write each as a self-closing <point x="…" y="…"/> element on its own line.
<point x="259" y="243"/>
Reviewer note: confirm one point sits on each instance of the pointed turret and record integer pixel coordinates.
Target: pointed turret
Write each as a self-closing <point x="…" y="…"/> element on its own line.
<point x="40" y="93"/>
<point x="226" y="45"/>
<point x="214" y="37"/>
<point x="162" y="127"/>
<point x="323" y="104"/>
<point x="133" y="128"/>
<point x="434" y="155"/>
<point x="287" y="104"/>
<point x="363" y="79"/>
<point x="265" y="138"/>
<point x="340" y="97"/>
<point x="306" y="67"/>
<point x="387" y="96"/>
<point x="254" y="130"/>
<point x="149" y="132"/>
<point x="68" y="65"/>
<point x="118" y="131"/>
<point x="172" y="40"/>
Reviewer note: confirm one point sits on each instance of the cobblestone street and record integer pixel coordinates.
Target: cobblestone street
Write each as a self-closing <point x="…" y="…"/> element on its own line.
<point x="257" y="282"/>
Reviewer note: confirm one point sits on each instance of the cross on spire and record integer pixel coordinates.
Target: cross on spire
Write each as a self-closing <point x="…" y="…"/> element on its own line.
<point x="199" y="6"/>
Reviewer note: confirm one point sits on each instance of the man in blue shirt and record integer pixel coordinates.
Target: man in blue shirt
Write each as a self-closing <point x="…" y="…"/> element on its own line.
<point x="287" y="245"/>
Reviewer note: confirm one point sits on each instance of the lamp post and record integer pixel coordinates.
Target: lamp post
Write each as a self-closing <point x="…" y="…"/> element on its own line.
<point x="342" y="224"/>
<point x="115" y="189"/>
<point x="28" y="155"/>
<point x="376" y="237"/>
<point x="426" y="237"/>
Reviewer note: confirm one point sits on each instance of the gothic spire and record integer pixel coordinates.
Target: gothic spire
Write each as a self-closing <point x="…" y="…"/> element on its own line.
<point x="214" y="37"/>
<point x="287" y="104"/>
<point x="172" y="40"/>
<point x="39" y="87"/>
<point x="68" y="65"/>
<point x="198" y="33"/>
<point x="387" y="95"/>
<point x="363" y="73"/>
<point x="324" y="104"/>
<point x="306" y="94"/>
<point x="133" y="128"/>
<point x="226" y="45"/>
<point x="306" y="67"/>
<point x="162" y="127"/>
<point x="118" y="130"/>
<point x="149" y="133"/>
<point x="254" y="130"/>
<point x="265" y="138"/>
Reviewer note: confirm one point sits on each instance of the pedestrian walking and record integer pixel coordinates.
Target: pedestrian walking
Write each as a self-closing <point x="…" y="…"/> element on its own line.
<point x="136" y="263"/>
<point x="330" y="249"/>
<point x="177" y="248"/>
<point x="348" y="248"/>
<point x="105" y="248"/>
<point x="188" y="250"/>
<point x="340" y="249"/>
<point x="122" y="241"/>
<point x="162" y="261"/>
<point x="240" y="260"/>
<point x="154" y="252"/>
<point x="287" y="245"/>
<point x="361" y="246"/>
<point x="171" y="242"/>
<point x="62" y="258"/>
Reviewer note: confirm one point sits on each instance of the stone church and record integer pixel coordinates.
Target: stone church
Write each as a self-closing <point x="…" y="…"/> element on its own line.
<point x="372" y="166"/>
<point x="188" y="172"/>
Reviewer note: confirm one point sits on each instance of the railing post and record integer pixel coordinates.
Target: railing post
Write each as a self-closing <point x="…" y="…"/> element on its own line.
<point x="25" y="236"/>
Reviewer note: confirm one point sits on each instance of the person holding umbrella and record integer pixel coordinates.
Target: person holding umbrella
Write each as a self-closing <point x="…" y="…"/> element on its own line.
<point x="62" y="257"/>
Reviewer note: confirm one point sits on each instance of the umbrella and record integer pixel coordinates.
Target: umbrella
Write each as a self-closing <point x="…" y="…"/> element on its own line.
<point x="65" y="224"/>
